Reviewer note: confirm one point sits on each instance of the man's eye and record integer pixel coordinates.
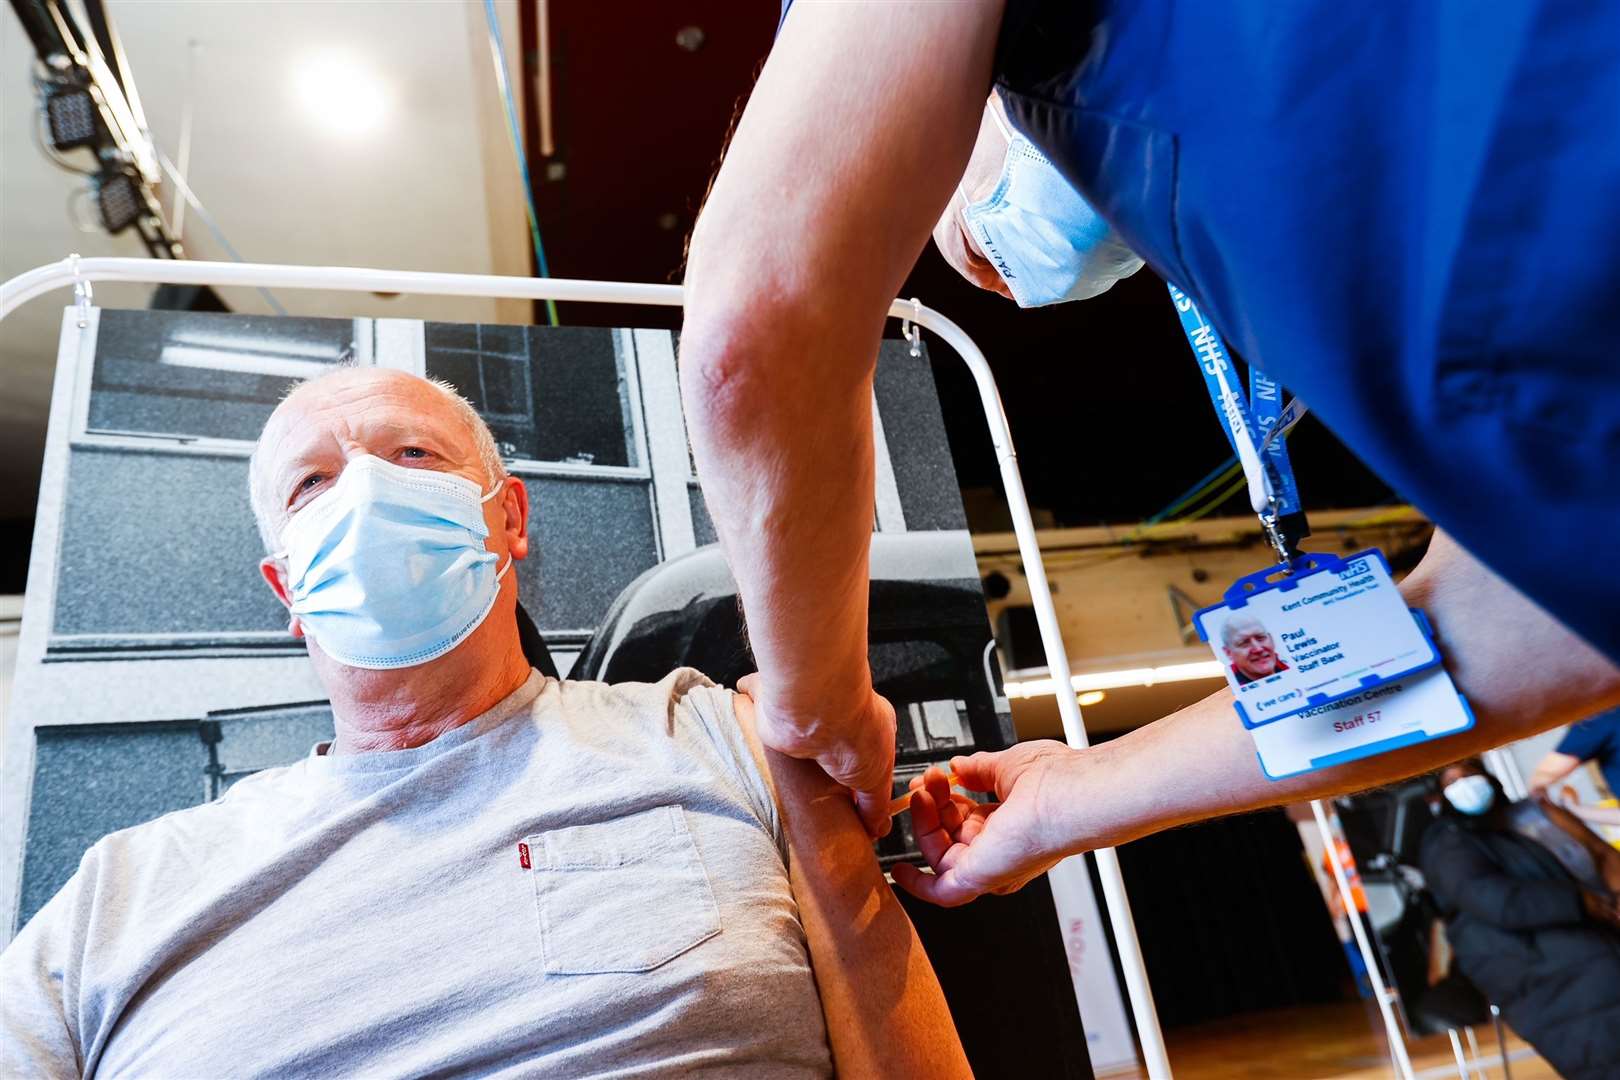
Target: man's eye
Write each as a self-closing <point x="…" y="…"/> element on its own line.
<point x="414" y="453"/>
<point x="310" y="481"/>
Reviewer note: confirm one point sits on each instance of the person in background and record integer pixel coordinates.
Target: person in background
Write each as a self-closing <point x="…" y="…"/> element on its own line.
<point x="1596" y="739"/>
<point x="1341" y="916"/>
<point x="1528" y="897"/>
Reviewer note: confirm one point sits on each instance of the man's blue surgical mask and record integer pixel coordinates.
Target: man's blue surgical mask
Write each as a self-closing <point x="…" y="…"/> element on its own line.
<point x="1045" y="241"/>
<point x="387" y="568"/>
<point x="1471" y="795"/>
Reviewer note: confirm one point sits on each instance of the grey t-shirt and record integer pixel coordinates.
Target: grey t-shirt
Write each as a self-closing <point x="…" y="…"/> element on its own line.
<point x="588" y="880"/>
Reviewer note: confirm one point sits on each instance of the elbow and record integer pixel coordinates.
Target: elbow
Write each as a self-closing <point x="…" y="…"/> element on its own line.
<point x="761" y="330"/>
<point x="724" y="371"/>
<point x="751" y="357"/>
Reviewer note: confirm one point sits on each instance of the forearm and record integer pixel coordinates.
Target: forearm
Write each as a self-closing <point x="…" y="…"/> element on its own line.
<point x="792" y="268"/>
<point x="886" y="1014"/>
<point x="1553" y="768"/>
<point x="786" y="454"/>
<point x="1596" y="815"/>
<point x="1520" y="670"/>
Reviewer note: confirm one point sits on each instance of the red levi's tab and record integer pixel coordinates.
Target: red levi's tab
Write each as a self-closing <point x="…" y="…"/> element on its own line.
<point x="523" y="856"/>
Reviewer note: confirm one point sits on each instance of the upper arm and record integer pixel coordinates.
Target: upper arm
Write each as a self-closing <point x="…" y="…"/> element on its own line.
<point x="853" y="139"/>
<point x="886" y="1014"/>
<point x="37" y="1022"/>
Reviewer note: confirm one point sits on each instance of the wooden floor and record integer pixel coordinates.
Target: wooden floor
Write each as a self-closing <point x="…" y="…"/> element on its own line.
<point x="1330" y="1042"/>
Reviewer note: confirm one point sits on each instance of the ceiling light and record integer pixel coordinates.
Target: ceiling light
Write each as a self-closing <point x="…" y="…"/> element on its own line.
<point x="342" y="94"/>
<point x="1111" y="680"/>
<point x="1091" y="697"/>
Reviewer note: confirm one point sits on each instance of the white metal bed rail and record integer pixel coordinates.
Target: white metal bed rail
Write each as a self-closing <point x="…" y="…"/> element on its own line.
<point x="79" y="273"/>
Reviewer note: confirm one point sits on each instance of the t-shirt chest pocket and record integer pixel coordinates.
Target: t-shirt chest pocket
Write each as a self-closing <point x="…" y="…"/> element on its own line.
<point x="626" y="895"/>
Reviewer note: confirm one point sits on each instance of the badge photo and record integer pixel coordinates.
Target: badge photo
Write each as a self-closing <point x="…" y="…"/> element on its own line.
<point x="1327" y="629"/>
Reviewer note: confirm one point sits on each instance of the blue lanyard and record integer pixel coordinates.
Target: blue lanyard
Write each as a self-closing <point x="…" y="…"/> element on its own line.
<point x="1251" y="420"/>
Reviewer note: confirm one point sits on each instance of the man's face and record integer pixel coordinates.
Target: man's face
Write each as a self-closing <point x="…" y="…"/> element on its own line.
<point x="319" y="429"/>
<point x="1252" y="652"/>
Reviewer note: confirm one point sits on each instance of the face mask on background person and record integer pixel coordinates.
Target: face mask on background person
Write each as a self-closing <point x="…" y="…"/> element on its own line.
<point x="1046" y="242"/>
<point x="387" y="568"/>
<point x="1471" y="795"/>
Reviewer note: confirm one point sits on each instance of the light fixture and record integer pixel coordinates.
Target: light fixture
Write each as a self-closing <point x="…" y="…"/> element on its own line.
<point x="1091" y="697"/>
<point x="341" y="93"/>
<point x="118" y="199"/>
<point x="1113" y="680"/>
<point x="71" y="117"/>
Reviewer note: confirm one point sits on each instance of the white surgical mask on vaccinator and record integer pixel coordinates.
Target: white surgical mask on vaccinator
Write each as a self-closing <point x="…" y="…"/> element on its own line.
<point x="1046" y="242"/>
<point x="1471" y="795"/>
<point x="387" y="568"/>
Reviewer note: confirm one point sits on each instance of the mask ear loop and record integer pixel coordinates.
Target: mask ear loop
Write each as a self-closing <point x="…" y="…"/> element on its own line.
<point x="500" y="486"/>
<point x="1001" y="125"/>
<point x="1006" y="133"/>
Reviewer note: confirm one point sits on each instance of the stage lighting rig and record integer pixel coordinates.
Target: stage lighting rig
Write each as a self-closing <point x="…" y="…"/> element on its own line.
<point x="70" y="116"/>
<point x="119" y="198"/>
<point x="88" y="101"/>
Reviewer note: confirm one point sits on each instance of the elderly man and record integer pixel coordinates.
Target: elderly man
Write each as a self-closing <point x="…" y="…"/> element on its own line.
<point x="1250" y="649"/>
<point x="485" y="871"/>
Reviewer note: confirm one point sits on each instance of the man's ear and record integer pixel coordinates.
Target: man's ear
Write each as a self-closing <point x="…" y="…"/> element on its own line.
<point x="275" y="575"/>
<point x="515" y="504"/>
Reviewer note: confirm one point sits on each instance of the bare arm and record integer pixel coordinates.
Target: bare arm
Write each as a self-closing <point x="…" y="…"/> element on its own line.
<point x="1596" y="815"/>
<point x="886" y="1015"/>
<point x="1551" y="769"/>
<point x="850" y="147"/>
<point x="1520" y="669"/>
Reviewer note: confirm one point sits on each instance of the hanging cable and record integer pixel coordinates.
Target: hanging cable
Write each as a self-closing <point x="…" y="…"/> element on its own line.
<point x="1216" y="502"/>
<point x="1152" y="530"/>
<point x="213" y="226"/>
<point x="497" y="49"/>
<point x="1218" y="475"/>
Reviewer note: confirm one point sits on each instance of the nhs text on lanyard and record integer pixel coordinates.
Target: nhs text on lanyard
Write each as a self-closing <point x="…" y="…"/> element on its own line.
<point x="1325" y="661"/>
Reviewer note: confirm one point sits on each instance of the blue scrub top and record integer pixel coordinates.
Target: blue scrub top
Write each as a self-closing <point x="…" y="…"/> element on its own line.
<point x="1407" y="213"/>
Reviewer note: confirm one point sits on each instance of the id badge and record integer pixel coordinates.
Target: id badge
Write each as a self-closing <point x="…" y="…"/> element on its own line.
<point x="1403" y="713"/>
<point x="1330" y="629"/>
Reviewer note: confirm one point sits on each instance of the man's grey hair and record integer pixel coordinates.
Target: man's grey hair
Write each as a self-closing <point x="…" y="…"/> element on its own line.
<point x="263" y="500"/>
<point x="1236" y="625"/>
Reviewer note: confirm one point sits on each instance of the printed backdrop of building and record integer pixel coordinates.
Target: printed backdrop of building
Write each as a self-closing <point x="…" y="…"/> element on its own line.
<point x="154" y="668"/>
<point x="162" y="671"/>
